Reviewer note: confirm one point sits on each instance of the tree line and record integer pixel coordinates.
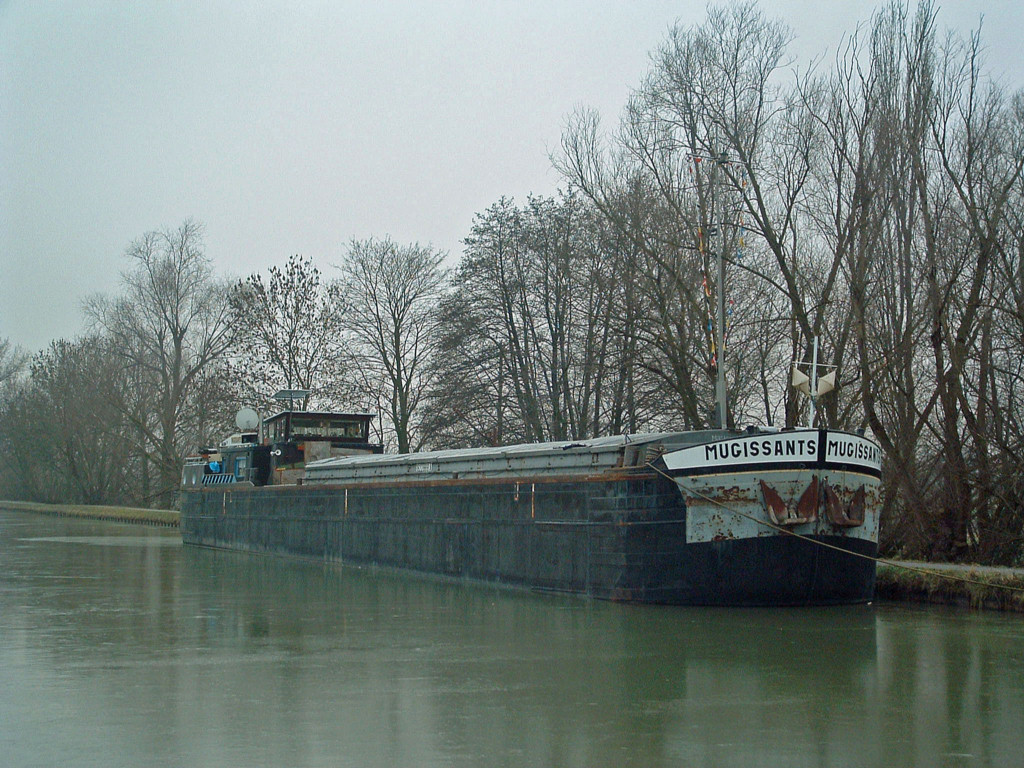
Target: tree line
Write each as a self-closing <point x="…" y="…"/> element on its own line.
<point x="875" y="204"/>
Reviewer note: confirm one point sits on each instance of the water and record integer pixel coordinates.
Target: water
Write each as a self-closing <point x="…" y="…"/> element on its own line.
<point x="120" y="647"/>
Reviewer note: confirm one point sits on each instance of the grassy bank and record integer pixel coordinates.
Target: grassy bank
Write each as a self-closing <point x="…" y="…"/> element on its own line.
<point x="1000" y="589"/>
<point x="160" y="517"/>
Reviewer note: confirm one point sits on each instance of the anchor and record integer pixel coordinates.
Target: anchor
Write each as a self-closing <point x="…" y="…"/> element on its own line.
<point x="806" y="508"/>
<point x="845" y="517"/>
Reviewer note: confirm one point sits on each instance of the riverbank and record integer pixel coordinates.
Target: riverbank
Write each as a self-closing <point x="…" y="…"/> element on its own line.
<point x="970" y="586"/>
<point x="140" y="516"/>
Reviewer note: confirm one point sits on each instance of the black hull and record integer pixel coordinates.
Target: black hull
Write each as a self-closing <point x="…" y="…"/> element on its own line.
<point x="619" y="539"/>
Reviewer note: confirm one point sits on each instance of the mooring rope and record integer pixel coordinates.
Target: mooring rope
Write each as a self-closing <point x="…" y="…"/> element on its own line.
<point x="881" y="560"/>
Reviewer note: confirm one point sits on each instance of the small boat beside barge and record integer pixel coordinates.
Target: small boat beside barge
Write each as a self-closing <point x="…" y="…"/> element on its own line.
<point x="712" y="517"/>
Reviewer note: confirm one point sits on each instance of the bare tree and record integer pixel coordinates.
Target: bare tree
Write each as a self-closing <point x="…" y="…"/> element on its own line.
<point x="542" y="330"/>
<point x="61" y="438"/>
<point x="12" y="362"/>
<point x="979" y="147"/>
<point x="289" y="333"/>
<point x="392" y="293"/>
<point x="918" y="198"/>
<point x="725" y="154"/>
<point x="84" y="424"/>
<point x="468" y="403"/>
<point x="170" y="324"/>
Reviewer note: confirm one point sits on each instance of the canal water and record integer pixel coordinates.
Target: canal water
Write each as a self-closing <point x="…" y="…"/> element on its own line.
<point x="120" y="647"/>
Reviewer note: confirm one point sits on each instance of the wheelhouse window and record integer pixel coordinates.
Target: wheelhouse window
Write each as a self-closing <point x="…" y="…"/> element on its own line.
<point x="342" y="428"/>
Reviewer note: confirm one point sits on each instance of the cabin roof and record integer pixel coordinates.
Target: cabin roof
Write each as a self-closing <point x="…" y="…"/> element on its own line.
<point x="609" y="443"/>
<point x="321" y="415"/>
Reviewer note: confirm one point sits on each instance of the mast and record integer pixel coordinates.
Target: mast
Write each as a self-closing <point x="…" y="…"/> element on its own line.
<point x="720" y="396"/>
<point x="708" y="203"/>
<point x="814" y="382"/>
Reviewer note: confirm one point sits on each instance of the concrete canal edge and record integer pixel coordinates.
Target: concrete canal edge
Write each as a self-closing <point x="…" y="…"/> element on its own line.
<point x="159" y="517"/>
<point x="978" y="587"/>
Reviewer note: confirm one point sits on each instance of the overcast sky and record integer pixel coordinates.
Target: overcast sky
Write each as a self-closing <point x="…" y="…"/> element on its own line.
<point x="293" y="127"/>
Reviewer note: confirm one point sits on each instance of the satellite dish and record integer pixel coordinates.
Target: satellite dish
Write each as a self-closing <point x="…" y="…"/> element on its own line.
<point x="247" y="420"/>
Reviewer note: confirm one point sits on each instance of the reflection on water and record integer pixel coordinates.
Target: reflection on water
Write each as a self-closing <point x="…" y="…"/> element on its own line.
<point x="111" y="541"/>
<point x="120" y="647"/>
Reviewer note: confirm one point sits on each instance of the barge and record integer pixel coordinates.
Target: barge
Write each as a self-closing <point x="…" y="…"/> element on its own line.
<point x="712" y="517"/>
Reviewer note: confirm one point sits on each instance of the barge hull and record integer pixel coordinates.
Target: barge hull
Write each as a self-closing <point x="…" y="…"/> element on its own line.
<point x="621" y="539"/>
